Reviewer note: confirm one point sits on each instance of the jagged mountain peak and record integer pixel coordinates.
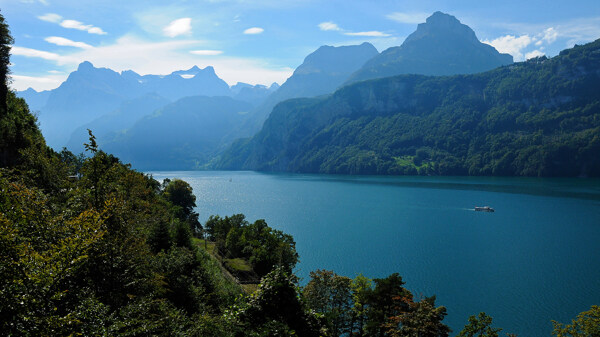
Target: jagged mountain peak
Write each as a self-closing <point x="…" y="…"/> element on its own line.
<point x="442" y="45"/>
<point x="442" y="25"/>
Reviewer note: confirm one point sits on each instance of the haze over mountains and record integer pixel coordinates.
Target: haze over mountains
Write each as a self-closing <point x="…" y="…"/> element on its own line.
<point x="126" y="109"/>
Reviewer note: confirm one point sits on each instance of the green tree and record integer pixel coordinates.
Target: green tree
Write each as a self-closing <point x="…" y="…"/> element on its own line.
<point x="587" y="324"/>
<point x="387" y="299"/>
<point x="361" y="290"/>
<point x="331" y="295"/>
<point x="180" y="194"/>
<point x="6" y="41"/>
<point x="276" y="305"/>
<point x="480" y="326"/>
<point x="160" y="237"/>
<point x="423" y="319"/>
<point x="183" y="235"/>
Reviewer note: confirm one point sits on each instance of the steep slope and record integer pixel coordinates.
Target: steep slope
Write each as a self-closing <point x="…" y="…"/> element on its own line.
<point x="536" y="118"/>
<point x="322" y="72"/>
<point x="182" y="135"/>
<point x="440" y="46"/>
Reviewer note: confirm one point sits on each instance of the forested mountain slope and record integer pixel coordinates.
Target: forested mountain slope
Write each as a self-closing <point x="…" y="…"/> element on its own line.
<point x="535" y="118"/>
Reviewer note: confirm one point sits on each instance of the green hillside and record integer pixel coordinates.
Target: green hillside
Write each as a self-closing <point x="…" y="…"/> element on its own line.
<point x="535" y="118"/>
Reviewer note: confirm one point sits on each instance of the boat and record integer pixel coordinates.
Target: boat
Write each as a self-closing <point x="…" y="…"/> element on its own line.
<point x="484" y="209"/>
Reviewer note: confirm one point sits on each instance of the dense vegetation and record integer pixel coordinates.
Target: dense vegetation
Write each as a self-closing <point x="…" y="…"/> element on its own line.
<point x="90" y="247"/>
<point x="535" y="118"/>
<point x="264" y="247"/>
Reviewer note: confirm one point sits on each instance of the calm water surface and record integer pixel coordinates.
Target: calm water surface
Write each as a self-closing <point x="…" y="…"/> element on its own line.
<point x="535" y="259"/>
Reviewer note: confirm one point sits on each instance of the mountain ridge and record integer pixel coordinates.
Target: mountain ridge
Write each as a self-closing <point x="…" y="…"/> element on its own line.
<point x="534" y="118"/>
<point x="440" y="46"/>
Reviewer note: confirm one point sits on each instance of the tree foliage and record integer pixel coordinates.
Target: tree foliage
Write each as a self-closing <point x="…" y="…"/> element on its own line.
<point x="587" y="324"/>
<point x="480" y="326"/>
<point x="265" y="247"/>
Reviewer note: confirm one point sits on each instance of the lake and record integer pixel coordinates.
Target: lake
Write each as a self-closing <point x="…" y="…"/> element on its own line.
<point x="535" y="259"/>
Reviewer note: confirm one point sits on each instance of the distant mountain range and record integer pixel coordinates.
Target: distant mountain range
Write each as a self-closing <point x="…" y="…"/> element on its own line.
<point x="535" y="118"/>
<point x="90" y="93"/>
<point x="322" y="72"/>
<point x="127" y="110"/>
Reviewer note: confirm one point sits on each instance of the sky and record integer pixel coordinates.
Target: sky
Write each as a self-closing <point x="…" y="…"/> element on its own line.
<point x="261" y="41"/>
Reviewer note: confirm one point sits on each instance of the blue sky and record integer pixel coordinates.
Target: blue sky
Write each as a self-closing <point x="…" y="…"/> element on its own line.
<point x="260" y="41"/>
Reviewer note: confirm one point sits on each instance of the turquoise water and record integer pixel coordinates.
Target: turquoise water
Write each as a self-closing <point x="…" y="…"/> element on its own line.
<point x="535" y="259"/>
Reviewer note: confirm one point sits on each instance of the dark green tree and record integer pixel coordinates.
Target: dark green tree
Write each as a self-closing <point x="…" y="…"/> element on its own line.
<point x="160" y="237"/>
<point x="6" y="41"/>
<point x="387" y="299"/>
<point x="331" y="295"/>
<point x="480" y="326"/>
<point x="423" y="319"/>
<point x="180" y="194"/>
<point x="275" y="305"/>
<point x="183" y="235"/>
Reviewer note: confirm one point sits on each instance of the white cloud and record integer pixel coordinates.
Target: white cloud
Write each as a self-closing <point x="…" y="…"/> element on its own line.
<point x="207" y="52"/>
<point x="22" y="82"/>
<point x="411" y="18"/>
<point x="533" y="54"/>
<point x="51" y="17"/>
<point x="71" y="24"/>
<point x="372" y="33"/>
<point x="550" y="35"/>
<point x="328" y="26"/>
<point x="511" y="44"/>
<point x="43" y="2"/>
<point x="61" y="41"/>
<point x="254" y="30"/>
<point x="178" y="27"/>
<point x="28" y="52"/>
<point x="74" y="24"/>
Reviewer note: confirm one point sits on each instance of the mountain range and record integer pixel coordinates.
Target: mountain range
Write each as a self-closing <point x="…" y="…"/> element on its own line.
<point x="126" y="110"/>
<point x="534" y="118"/>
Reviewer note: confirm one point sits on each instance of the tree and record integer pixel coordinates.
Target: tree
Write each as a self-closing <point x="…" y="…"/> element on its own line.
<point x="183" y="235"/>
<point x="361" y="290"/>
<point x="587" y="324"/>
<point x="388" y="299"/>
<point x="160" y="237"/>
<point x="331" y="295"/>
<point x="180" y="194"/>
<point x="422" y="319"/>
<point x="480" y="326"/>
<point x="276" y="305"/>
<point x="6" y="41"/>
